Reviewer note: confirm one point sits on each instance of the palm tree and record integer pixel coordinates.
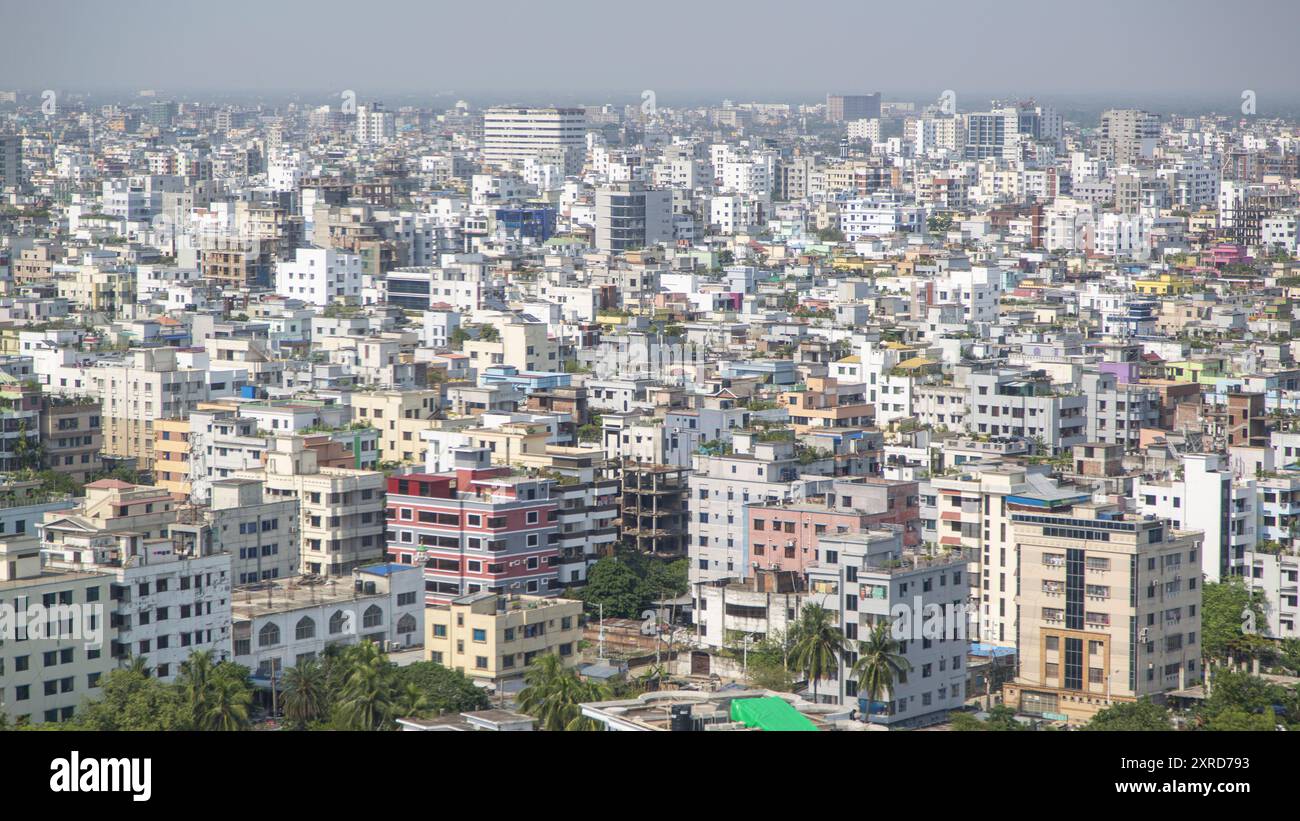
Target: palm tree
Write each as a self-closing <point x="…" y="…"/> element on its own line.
<point x="138" y="665"/>
<point x="879" y="663"/>
<point x="306" y="698"/>
<point x="367" y="701"/>
<point x="197" y="684"/>
<point x="552" y="694"/>
<point x="817" y="644"/>
<point x="228" y="700"/>
<point x="413" y="701"/>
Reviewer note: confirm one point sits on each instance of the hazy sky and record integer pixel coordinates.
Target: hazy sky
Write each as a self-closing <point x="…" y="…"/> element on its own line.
<point x="750" y="49"/>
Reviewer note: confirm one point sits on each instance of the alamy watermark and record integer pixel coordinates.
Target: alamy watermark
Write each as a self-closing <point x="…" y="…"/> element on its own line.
<point x="55" y="622"/>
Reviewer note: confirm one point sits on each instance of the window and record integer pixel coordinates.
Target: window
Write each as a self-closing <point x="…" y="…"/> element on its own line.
<point x="339" y="622"/>
<point x="373" y="617"/>
<point x="305" y="629"/>
<point x="269" y="635"/>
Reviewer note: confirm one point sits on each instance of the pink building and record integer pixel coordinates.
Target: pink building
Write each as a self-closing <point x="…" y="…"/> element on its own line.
<point x="785" y="536"/>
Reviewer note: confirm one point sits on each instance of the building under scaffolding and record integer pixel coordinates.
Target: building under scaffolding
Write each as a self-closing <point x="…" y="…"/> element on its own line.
<point x="653" y="508"/>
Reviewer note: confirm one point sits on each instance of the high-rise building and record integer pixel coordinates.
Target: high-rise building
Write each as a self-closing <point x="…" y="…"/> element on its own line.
<point x="1128" y="134"/>
<point x="1109" y="610"/>
<point x="848" y="107"/>
<point x="629" y="216"/>
<point x="375" y="125"/>
<point x="11" y="161"/>
<point x="553" y="134"/>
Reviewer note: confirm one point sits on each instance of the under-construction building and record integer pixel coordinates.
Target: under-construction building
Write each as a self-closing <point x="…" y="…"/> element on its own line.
<point x="653" y="508"/>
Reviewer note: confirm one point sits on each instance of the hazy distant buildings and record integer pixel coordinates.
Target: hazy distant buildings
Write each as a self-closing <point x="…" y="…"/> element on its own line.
<point x="553" y="134"/>
<point x="848" y="107"/>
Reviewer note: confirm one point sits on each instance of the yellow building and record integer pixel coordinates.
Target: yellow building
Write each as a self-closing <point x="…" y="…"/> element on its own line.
<point x="98" y="291"/>
<point x="399" y="416"/>
<point x="492" y="637"/>
<point x="171" y="453"/>
<point x="525" y="345"/>
<point x="1165" y="284"/>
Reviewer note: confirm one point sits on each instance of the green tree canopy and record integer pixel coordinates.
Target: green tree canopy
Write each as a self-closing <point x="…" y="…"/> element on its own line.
<point x="1140" y="715"/>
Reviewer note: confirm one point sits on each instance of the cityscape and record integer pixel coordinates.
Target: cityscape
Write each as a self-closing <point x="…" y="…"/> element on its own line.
<point x="452" y="405"/>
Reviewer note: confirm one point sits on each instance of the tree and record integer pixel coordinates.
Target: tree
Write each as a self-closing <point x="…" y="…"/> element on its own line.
<point x="1236" y="691"/>
<point x="1242" y="721"/>
<point x="306" y="699"/>
<point x="1228" y="611"/>
<point x="447" y="690"/>
<point x="366" y="698"/>
<point x="553" y="694"/>
<point x="227" y="705"/>
<point x="132" y="700"/>
<point x="489" y="333"/>
<point x="218" y="696"/>
<point x="879" y="662"/>
<point x="817" y="644"/>
<point x="614" y="584"/>
<point x="1140" y="715"/>
<point x="768" y="663"/>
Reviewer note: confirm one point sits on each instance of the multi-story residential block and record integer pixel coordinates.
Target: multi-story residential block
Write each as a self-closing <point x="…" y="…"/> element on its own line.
<point x="1110" y="611"/>
<point x="493" y="637"/>
<point x="1208" y="498"/>
<point x="478" y="528"/>
<point x="867" y="579"/>
<point x="71" y="434"/>
<point x="511" y="135"/>
<point x="971" y="513"/>
<point x="46" y="674"/>
<point x="168" y="598"/>
<point x="1027" y="404"/>
<point x="290" y="621"/>
<point x="341" y="514"/>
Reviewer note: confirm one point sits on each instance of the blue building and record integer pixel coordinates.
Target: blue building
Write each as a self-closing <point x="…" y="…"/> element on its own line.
<point x="535" y="223"/>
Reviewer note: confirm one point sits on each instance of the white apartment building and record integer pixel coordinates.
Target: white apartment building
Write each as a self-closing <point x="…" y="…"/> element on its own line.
<point x="553" y="134"/>
<point x="319" y="276"/>
<point x="295" y="620"/>
<point x="868" y="578"/>
<point x="1208" y="498"/>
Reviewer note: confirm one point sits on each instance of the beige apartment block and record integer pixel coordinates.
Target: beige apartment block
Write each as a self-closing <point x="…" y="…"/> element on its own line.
<point x="400" y="417"/>
<point x="341" y="510"/>
<point x="146" y="387"/>
<point x="493" y="638"/>
<point x="1109" y="611"/>
<point x="45" y="678"/>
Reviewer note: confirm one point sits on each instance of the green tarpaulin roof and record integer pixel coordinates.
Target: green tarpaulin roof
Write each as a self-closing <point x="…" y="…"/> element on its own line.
<point x="770" y="713"/>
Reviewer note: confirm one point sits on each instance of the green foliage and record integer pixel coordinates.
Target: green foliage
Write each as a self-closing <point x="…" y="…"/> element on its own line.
<point x="629" y="583"/>
<point x="1224" y="613"/>
<point x="1237" y="693"/>
<point x="305" y="697"/>
<point x="615" y="585"/>
<point x="879" y="662"/>
<point x="553" y="694"/>
<point x="1141" y="715"/>
<point x="1000" y="719"/>
<point x="817" y="644"/>
<point x="134" y="701"/>
<point x="446" y="690"/>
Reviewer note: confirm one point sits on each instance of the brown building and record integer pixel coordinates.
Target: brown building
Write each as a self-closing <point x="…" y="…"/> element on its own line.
<point x="1245" y="425"/>
<point x="72" y="434"/>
